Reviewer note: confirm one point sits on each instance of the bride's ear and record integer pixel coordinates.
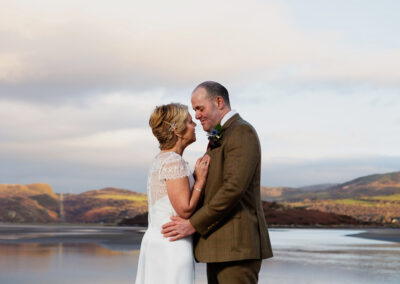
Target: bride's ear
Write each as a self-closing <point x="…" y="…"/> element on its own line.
<point x="177" y="134"/>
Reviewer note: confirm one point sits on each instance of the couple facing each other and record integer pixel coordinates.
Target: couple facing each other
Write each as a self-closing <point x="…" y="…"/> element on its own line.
<point x="214" y="215"/>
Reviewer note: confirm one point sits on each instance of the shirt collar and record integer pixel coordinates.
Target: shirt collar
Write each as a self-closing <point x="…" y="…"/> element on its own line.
<point x="227" y="116"/>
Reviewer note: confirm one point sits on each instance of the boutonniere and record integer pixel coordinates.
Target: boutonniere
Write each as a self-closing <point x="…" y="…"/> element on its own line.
<point x="214" y="136"/>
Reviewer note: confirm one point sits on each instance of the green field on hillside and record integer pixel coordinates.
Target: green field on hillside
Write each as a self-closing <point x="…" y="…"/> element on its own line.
<point x="393" y="197"/>
<point x="349" y="201"/>
<point x="123" y="197"/>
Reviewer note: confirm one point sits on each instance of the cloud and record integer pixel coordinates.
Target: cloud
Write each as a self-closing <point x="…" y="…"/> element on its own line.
<point x="72" y="50"/>
<point x="322" y="123"/>
<point x="25" y="121"/>
<point x="107" y="131"/>
<point x="377" y="68"/>
<point x="78" y="80"/>
<point x="108" y="136"/>
<point x="302" y="172"/>
<point x="66" y="176"/>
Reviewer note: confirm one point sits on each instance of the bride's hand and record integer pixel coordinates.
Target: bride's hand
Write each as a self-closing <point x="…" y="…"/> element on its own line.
<point x="201" y="168"/>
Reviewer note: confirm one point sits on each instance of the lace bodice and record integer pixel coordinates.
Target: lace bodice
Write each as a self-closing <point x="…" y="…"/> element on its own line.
<point x="162" y="261"/>
<point x="166" y="165"/>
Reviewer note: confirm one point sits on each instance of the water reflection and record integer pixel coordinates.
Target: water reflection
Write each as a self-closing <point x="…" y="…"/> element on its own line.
<point x="331" y="256"/>
<point x="65" y="263"/>
<point x="41" y="255"/>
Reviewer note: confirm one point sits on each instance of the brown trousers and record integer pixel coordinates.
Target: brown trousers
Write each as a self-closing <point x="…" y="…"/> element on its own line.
<point x="234" y="272"/>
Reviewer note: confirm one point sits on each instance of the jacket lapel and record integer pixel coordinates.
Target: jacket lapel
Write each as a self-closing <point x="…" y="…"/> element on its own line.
<point x="230" y="121"/>
<point x="224" y="127"/>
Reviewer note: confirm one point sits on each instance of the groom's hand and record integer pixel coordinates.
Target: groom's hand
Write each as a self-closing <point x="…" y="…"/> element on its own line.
<point x="177" y="229"/>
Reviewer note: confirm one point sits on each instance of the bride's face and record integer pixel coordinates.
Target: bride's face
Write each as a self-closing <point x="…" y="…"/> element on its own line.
<point x="190" y="134"/>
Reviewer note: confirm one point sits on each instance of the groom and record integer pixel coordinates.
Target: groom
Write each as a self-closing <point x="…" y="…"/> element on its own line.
<point x="232" y="236"/>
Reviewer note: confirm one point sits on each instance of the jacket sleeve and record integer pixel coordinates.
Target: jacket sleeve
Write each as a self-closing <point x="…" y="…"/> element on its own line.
<point x="242" y="154"/>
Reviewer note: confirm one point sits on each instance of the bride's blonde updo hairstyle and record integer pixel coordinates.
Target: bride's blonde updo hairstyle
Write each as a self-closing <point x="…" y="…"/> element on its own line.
<point x="164" y="120"/>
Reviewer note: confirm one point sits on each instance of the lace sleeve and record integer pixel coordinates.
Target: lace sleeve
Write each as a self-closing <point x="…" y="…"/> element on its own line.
<point x="173" y="168"/>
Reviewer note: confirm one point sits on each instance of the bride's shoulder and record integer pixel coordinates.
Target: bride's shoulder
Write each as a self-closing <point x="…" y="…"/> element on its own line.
<point x="171" y="165"/>
<point x="169" y="157"/>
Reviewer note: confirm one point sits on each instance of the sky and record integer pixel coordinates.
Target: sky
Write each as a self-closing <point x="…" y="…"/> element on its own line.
<point x="319" y="80"/>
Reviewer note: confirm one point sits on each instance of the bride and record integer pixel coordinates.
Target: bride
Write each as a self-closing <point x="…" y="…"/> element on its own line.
<point x="172" y="191"/>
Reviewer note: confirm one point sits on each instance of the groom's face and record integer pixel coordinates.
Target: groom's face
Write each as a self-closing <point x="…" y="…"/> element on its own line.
<point x="206" y="109"/>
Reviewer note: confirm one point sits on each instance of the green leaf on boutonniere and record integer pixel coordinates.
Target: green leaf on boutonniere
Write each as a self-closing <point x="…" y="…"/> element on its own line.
<point x="219" y="127"/>
<point x="214" y="136"/>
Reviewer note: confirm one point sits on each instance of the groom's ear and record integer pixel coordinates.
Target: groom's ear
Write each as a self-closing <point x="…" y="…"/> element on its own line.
<point x="220" y="102"/>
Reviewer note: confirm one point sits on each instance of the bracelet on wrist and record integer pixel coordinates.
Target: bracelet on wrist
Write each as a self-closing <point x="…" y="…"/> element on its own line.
<point x="198" y="189"/>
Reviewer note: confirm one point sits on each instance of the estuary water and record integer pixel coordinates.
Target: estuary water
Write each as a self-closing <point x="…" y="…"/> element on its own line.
<point x="96" y="254"/>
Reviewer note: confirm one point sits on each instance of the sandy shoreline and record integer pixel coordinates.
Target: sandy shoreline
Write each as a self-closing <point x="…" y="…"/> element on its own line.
<point x="114" y="238"/>
<point x="125" y="238"/>
<point x="387" y="234"/>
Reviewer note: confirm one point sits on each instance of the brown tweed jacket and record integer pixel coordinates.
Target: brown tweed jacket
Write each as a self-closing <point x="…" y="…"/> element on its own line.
<point x="230" y="220"/>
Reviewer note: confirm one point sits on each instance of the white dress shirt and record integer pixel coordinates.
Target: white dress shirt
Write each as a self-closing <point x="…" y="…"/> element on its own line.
<point x="227" y="116"/>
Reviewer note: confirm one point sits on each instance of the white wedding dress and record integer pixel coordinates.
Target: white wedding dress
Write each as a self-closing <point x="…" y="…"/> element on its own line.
<point x="160" y="260"/>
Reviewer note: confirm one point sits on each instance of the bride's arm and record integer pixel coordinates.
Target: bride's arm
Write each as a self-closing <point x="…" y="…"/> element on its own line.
<point x="181" y="197"/>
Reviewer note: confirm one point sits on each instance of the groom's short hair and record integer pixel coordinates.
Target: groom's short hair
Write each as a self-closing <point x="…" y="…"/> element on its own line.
<point x="215" y="90"/>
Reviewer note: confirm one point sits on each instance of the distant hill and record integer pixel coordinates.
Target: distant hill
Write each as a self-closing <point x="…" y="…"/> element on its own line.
<point x="318" y="187"/>
<point x="277" y="215"/>
<point x="107" y="205"/>
<point x="374" y="198"/>
<point x="372" y="185"/>
<point x="277" y="193"/>
<point x="26" y="190"/>
<point x="28" y="203"/>
<point x="37" y="203"/>
<point x="369" y="199"/>
<point x="269" y="193"/>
